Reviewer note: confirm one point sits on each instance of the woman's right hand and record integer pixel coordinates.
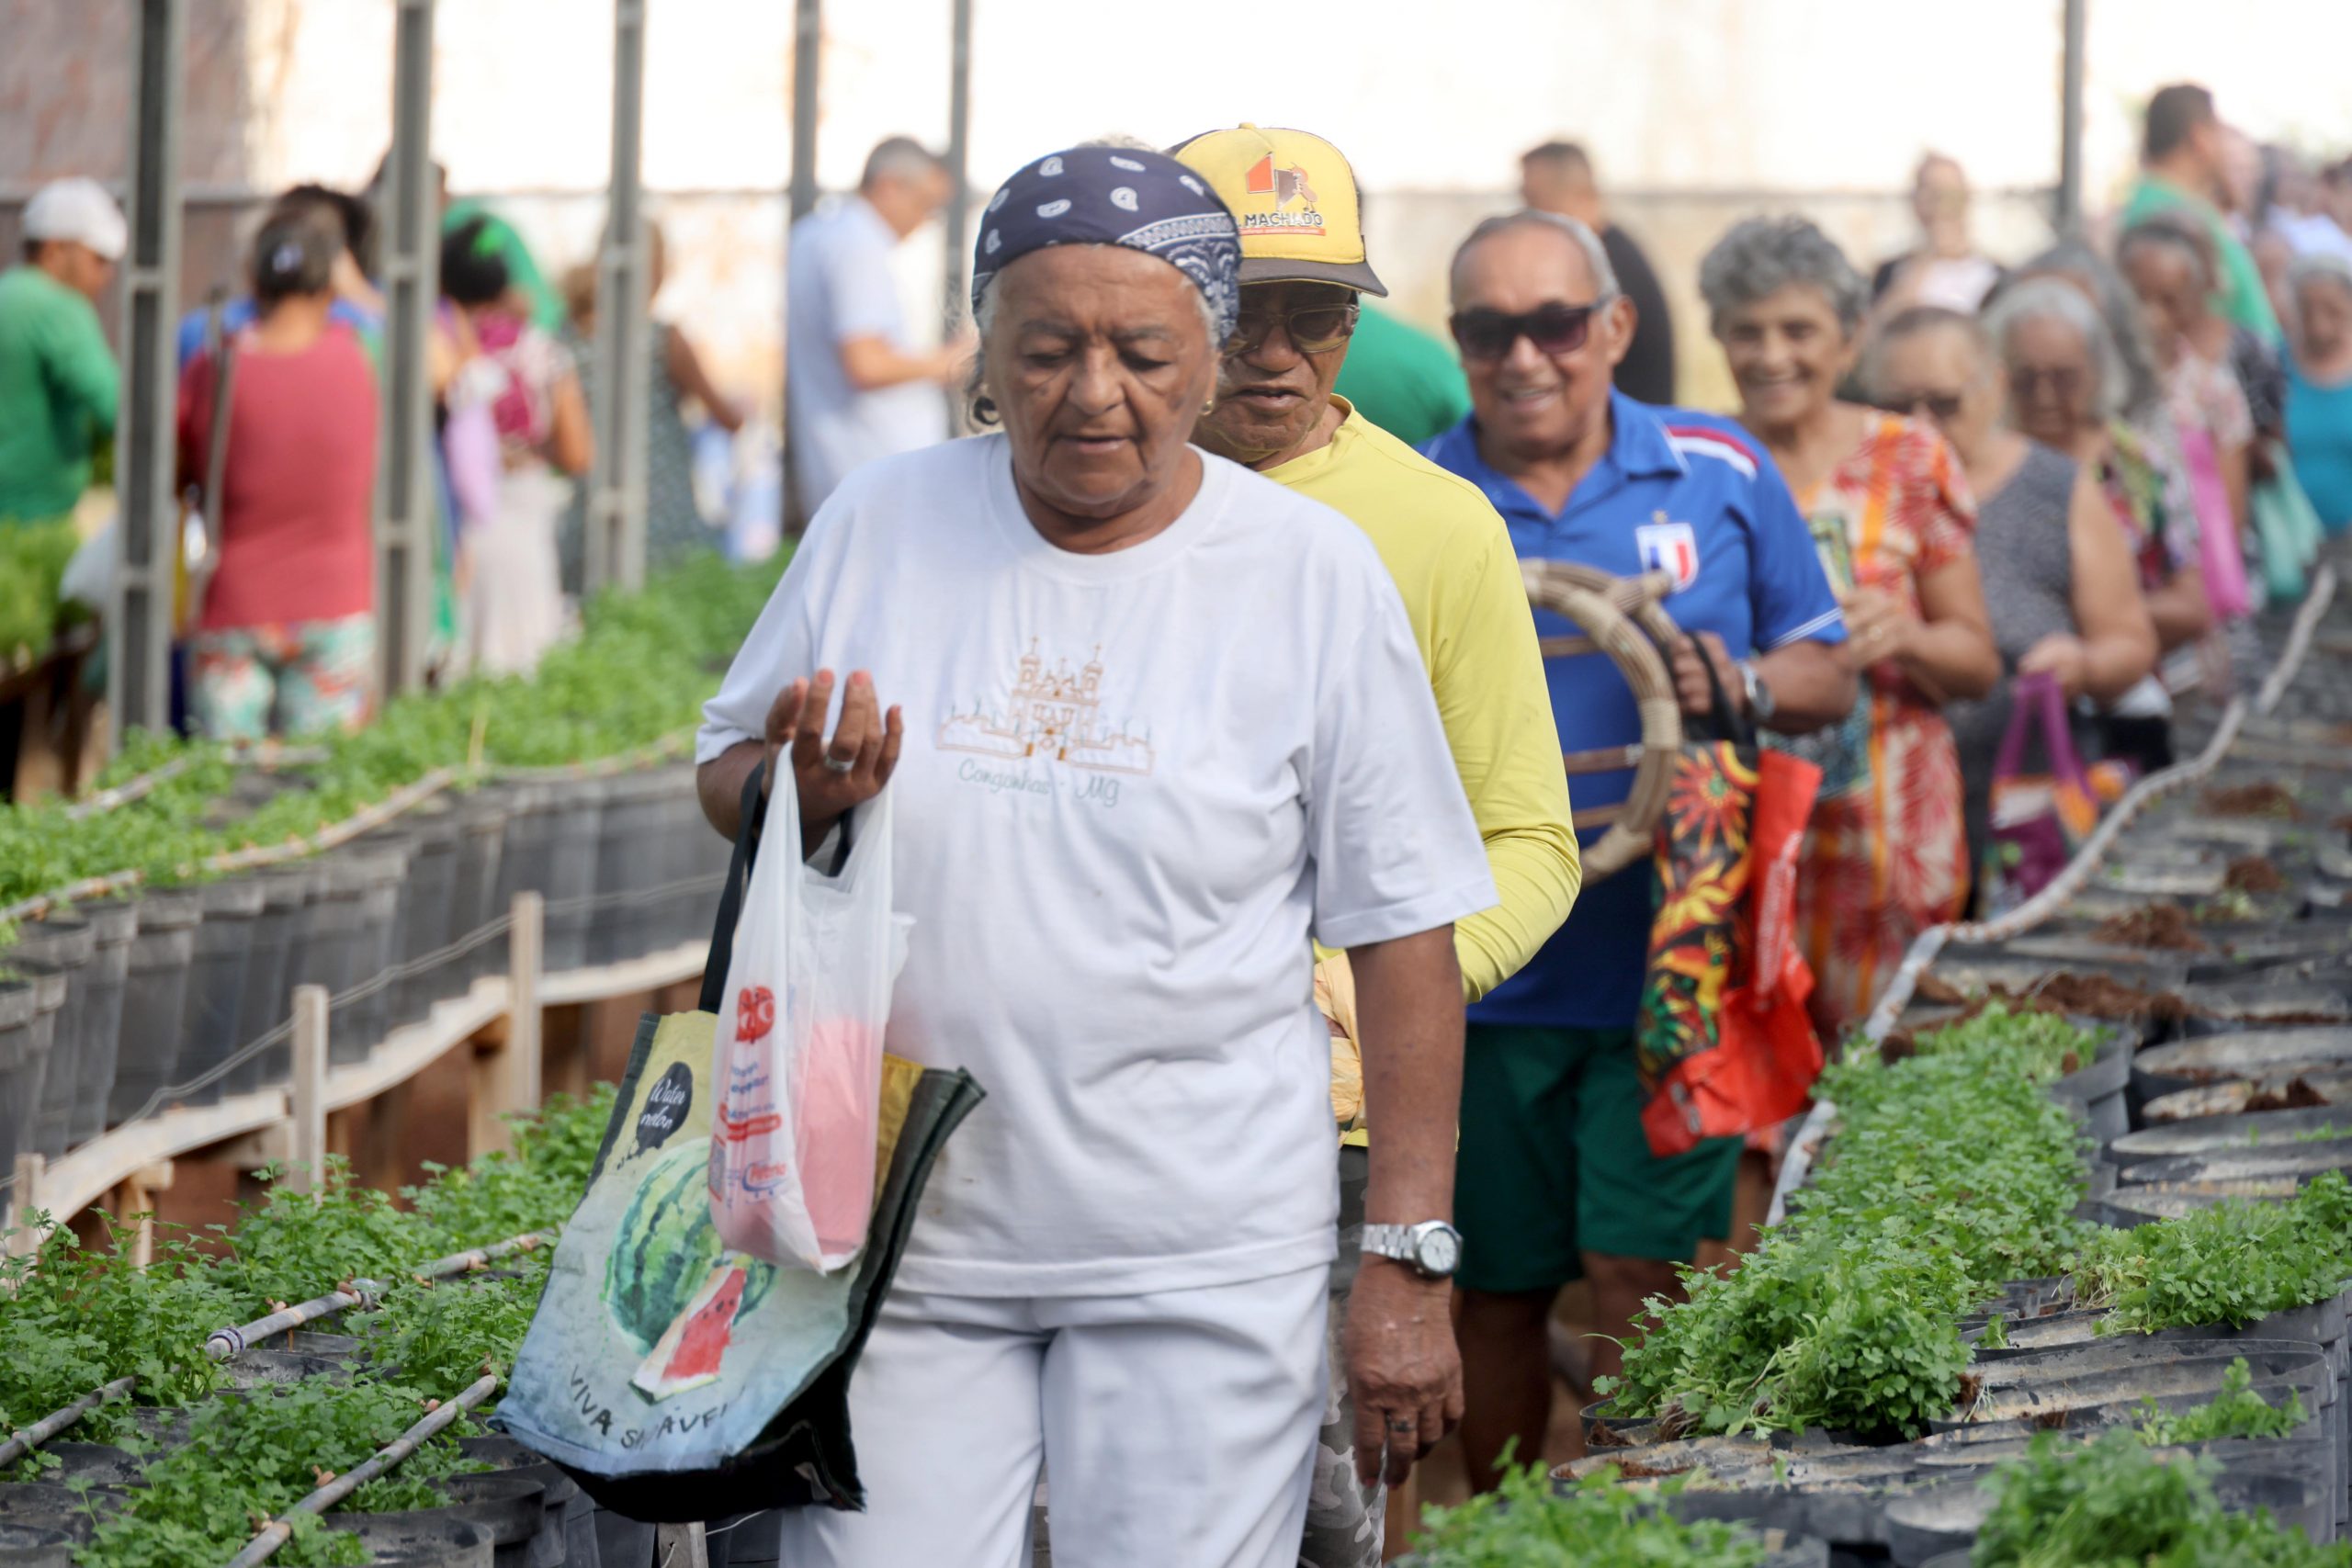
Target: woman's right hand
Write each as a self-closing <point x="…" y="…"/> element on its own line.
<point x="2061" y="654"/>
<point x="830" y="778"/>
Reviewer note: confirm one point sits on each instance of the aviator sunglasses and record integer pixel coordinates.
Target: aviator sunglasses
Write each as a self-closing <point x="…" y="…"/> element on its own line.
<point x="1553" y="329"/>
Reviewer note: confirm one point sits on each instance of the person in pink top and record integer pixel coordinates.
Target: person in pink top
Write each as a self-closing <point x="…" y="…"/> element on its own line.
<point x="285" y="639"/>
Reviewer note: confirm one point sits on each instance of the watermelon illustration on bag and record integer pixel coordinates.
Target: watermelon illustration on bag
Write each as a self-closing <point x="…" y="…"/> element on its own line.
<point x="667" y="1250"/>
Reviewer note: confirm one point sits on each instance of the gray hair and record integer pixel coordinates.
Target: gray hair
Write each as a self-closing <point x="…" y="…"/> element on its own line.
<point x="982" y="407"/>
<point x="2321" y="267"/>
<point x="1761" y="256"/>
<point x="899" y="158"/>
<point x="1916" y="321"/>
<point x="1596" y="258"/>
<point x="2140" y="388"/>
<point x="2164" y="230"/>
<point x="2055" y="299"/>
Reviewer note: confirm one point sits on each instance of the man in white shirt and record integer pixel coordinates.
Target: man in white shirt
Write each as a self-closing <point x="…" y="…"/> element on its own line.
<point x="859" y="388"/>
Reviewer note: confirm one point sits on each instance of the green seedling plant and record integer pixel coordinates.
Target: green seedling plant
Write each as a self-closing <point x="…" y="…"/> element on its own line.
<point x="2236" y="1412"/>
<point x="1948" y="1174"/>
<point x="2230" y="1264"/>
<point x="2111" y="1504"/>
<point x="1592" y="1523"/>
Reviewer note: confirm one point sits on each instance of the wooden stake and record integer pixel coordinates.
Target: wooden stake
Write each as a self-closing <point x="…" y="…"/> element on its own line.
<point x="680" y="1546"/>
<point x="506" y="1069"/>
<point x="309" y="1098"/>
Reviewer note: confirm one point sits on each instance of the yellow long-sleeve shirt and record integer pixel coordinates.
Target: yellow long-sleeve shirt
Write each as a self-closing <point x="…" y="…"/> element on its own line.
<point x="1455" y="568"/>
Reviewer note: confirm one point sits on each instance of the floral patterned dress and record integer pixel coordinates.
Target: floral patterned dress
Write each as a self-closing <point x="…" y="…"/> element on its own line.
<point x="1887" y="854"/>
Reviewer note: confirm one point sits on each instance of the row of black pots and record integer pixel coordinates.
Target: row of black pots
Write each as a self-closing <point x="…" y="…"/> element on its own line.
<point x="162" y="986"/>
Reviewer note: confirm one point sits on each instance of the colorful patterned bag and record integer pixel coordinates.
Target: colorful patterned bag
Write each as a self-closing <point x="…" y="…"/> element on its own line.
<point x="1701" y="867"/>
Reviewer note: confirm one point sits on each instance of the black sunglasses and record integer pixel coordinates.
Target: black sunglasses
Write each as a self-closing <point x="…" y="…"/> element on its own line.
<point x="1312" y="328"/>
<point x="1942" y="407"/>
<point x="1554" y="329"/>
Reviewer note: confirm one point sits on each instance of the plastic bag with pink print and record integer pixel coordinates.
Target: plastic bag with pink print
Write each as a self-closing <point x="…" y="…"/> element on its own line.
<point x="798" y="1046"/>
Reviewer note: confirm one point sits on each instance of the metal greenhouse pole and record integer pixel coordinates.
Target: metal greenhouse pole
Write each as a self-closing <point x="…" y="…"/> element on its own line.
<point x="807" y="50"/>
<point x="615" y="545"/>
<point x="957" y="218"/>
<point x="2070" y="122"/>
<point x="409" y="508"/>
<point x="138" y="681"/>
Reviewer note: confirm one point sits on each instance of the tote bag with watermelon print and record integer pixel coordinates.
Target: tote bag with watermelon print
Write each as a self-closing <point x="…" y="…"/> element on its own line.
<point x="679" y="1378"/>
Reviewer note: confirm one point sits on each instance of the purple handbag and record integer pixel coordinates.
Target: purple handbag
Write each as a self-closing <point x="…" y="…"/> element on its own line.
<point x="2038" y="819"/>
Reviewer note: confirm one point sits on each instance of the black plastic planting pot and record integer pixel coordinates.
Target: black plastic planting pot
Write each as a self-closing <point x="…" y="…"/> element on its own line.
<point x="473" y="887"/>
<point x="114" y="925"/>
<point x="2247" y="1054"/>
<point x="66" y="945"/>
<point x="697" y="870"/>
<point x="2295" y="1163"/>
<point x="568" y="1536"/>
<point x="2058" y="954"/>
<point x="16" y="1058"/>
<point x="154" y="995"/>
<point x="635" y="859"/>
<point x="428" y="889"/>
<point x="621" y="1541"/>
<point x="30" y="1546"/>
<point x="506" y="1508"/>
<point x="333" y="937"/>
<point x="2045" y="1385"/>
<point x="2099" y="1086"/>
<point x="266" y="1369"/>
<point x="576" y="823"/>
<point x="380" y="862"/>
<point x="2261" y="1004"/>
<point x="526" y="858"/>
<point x="50" y="983"/>
<point x="2230" y="1135"/>
<point x="216" y="982"/>
<point x="272" y="965"/>
<point x="1927" y="1524"/>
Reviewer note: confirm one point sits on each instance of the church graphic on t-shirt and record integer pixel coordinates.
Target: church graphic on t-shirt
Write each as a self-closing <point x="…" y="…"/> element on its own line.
<point x="1054" y="714"/>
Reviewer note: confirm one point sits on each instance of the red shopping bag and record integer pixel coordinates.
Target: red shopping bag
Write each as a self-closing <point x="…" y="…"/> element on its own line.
<point x="1765" y="1056"/>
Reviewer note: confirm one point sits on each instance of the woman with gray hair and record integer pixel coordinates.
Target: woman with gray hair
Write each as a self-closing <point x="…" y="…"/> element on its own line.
<point x="2059" y="582"/>
<point x="1162" y="720"/>
<point x="2067" y="386"/>
<point x="1892" y="518"/>
<point x="2319" y="388"/>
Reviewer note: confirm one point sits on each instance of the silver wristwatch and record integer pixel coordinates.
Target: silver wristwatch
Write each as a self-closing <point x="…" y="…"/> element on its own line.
<point x="1432" y="1250"/>
<point x="1759" y="695"/>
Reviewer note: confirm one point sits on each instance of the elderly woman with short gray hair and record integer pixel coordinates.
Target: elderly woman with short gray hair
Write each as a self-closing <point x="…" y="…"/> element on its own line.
<point x="2069" y="383"/>
<point x="1891" y="512"/>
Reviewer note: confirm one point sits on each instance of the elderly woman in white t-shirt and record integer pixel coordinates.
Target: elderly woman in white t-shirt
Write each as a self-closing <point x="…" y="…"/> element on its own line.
<point x="1158" y="722"/>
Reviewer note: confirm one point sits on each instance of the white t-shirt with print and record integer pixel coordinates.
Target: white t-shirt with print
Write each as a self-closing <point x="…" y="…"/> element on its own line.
<point x="1133" y="786"/>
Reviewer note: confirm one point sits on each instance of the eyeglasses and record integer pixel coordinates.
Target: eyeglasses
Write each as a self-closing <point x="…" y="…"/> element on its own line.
<point x="1312" y="328"/>
<point x="1553" y="329"/>
<point x="1942" y="407"/>
<point x="2064" y="381"/>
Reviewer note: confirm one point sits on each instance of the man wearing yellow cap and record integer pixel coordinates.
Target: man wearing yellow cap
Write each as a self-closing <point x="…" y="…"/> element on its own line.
<point x="1303" y="267"/>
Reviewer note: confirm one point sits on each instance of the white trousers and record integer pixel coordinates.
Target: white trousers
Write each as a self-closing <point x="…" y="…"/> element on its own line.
<point x="1179" y="1430"/>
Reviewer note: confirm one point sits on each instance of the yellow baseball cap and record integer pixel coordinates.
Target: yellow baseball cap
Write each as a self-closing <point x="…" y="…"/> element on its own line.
<point x="1294" y="198"/>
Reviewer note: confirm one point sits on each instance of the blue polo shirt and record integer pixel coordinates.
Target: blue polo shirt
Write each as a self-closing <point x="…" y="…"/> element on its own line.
<point x="1695" y="495"/>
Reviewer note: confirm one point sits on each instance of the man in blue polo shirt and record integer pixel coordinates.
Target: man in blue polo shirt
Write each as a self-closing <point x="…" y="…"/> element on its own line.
<point x="1556" y="1180"/>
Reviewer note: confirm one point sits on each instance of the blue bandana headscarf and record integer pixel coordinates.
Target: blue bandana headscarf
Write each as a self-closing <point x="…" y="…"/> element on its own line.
<point x="1116" y="196"/>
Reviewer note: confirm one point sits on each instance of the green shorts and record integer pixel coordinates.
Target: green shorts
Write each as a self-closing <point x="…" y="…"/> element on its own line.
<point x="1552" y="1162"/>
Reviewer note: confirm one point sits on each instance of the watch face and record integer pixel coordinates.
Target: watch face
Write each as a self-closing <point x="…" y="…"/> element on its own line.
<point x="1441" y="1251"/>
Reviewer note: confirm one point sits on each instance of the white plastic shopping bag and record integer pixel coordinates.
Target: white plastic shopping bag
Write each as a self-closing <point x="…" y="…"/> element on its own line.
<point x="799" y="1047"/>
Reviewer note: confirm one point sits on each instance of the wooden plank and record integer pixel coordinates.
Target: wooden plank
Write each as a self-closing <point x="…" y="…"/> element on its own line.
<point x="680" y="1546"/>
<point x="83" y="1175"/>
<point x="309" y="1106"/>
<point x="407" y="1051"/>
<point x="651" y="973"/>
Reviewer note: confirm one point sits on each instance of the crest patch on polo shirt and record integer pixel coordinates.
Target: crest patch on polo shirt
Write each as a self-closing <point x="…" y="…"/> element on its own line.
<point x="1669" y="547"/>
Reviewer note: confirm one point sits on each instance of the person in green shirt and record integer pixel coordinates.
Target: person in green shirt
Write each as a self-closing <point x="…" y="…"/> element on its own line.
<point x="1402" y="379"/>
<point x="58" y="386"/>
<point x="2182" y="153"/>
